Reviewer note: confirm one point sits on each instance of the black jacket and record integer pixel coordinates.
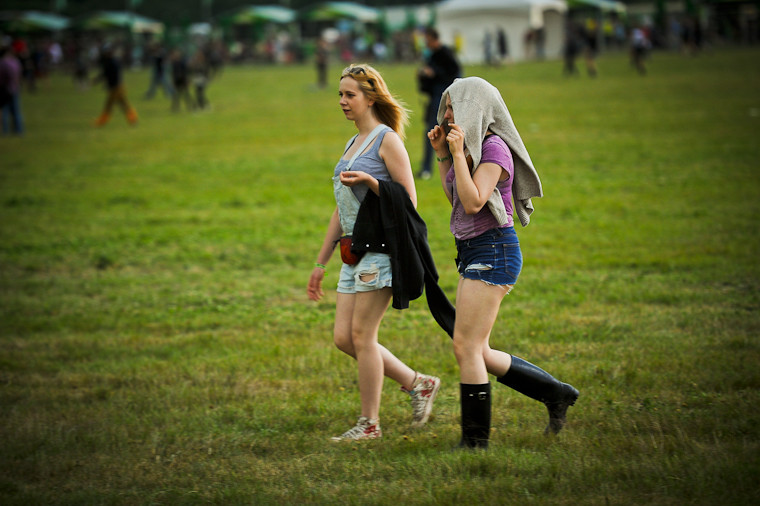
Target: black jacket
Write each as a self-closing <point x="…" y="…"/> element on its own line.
<point x="389" y="223"/>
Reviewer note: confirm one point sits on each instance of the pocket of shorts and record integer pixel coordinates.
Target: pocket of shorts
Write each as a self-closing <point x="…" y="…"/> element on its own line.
<point x="512" y="259"/>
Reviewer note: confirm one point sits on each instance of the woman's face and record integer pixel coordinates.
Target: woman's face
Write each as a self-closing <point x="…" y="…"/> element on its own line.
<point x="353" y="101"/>
<point x="448" y="116"/>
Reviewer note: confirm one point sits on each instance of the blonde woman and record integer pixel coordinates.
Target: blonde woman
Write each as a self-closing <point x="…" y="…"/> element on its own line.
<point x="375" y="154"/>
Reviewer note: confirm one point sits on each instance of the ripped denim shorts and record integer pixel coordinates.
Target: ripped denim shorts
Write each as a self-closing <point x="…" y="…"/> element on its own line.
<point x="493" y="257"/>
<point x="373" y="272"/>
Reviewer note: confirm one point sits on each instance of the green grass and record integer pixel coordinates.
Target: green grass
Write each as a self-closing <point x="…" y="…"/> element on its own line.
<point x="157" y="345"/>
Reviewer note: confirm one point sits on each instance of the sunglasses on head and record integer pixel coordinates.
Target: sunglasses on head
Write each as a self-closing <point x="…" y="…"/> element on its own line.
<point x="355" y="71"/>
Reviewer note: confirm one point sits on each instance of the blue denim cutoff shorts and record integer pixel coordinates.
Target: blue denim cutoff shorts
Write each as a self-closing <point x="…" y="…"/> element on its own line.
<point x="493" y="257"/>
<point x="371" y="263"/>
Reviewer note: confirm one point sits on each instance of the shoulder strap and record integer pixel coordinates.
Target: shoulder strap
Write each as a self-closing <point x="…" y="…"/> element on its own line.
<point x="374" y="133"/>
<point x="350" y="141"/>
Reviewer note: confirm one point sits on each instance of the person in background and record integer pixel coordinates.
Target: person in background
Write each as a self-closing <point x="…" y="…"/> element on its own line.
<point x="321" y="58"/>
<point x="200" y="76"/>
<point x="11" y="75"/>
<point x="571" y="49"/>
<point x="640" y="46"/>
<point x="482" y="163"/>
<point x="439" y="71"/>
<point x="180" y="79"/>
<point x="158" y="74"/>
<point x="111" y="74"/>
<point x="592" y="46"/>
<point x="375" y="154"/>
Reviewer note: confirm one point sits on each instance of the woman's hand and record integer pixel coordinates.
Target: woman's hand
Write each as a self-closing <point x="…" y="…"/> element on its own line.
<point x="437" y="137"/>
<point x="455" y="138"/>
<point x="314" y="289"/>
<point x="354" y="177"/>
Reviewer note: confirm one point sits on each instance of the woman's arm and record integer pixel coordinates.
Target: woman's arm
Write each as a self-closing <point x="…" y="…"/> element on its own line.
<point x="473" y="189"/>
<point x="437" y="138"/>
<point x="334" y="231"/>
<point x="396" y="159"/>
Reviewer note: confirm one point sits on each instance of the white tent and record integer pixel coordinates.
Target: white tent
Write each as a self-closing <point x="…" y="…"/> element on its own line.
<point x="471" y="25"/>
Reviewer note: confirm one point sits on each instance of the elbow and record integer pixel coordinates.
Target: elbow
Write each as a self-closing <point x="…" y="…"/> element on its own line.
<point x="472" y="208"/>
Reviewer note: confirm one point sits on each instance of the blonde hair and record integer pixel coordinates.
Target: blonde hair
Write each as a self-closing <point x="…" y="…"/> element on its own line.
<point x="387" y="108"/>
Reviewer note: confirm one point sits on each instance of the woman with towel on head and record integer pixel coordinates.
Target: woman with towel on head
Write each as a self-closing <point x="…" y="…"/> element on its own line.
<point x="483" y="164"/>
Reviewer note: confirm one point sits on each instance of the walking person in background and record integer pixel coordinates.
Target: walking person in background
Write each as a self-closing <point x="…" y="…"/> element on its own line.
<point x="474" y="145"/>
<point x="200" y="72"/>
<point x="571" y="49"/>
<point x="372" y="157"/>
<point x="440" y="69"/>
<point x="640" y="46"/>
<point x="321" y="58"/>
<point x="592" y="46"/>
<point x="117" y="93"/>
<point x="158" y="74"/>
<point x="180" y="79"/>
<point x="502" y="42"/>
<point x="10" y="89"/>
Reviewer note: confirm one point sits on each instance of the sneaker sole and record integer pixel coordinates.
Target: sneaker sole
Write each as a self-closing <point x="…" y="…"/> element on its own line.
<point x="338" y="439"/>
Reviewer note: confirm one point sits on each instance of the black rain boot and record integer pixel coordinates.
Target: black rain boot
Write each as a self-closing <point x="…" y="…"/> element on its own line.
<point x="476" y="415"/>
<point x="538" y="384"/>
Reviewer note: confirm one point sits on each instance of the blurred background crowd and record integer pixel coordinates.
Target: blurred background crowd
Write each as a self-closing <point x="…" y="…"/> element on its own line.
<point x="187" y="43"/>
<point x="71" y="34"/>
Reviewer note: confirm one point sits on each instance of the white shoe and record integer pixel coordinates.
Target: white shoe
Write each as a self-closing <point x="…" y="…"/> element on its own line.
<point x="423" y="393"/>
<point x="365" y="428"/>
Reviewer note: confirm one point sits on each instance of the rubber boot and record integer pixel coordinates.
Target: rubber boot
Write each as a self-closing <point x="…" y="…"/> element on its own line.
<point x="538" y="384"/>
<point x="476" y="415"/>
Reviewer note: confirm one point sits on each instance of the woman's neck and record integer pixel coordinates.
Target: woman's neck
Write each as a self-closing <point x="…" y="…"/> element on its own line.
<point x="367" y="123"/>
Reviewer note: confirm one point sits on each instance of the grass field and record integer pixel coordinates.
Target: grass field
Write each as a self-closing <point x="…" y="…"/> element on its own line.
<point x="157" y="345"/>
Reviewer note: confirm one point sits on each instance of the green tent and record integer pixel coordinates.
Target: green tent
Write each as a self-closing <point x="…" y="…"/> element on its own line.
<point x="330" y="11"/>
<point x="104" y="20"/>
<point x="33" y="21"/>
<point x="602" y="5"/>
<point x="255" y="13"/>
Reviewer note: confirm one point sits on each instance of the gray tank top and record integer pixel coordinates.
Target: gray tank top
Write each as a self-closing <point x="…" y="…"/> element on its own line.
<point x="369" y="162"/>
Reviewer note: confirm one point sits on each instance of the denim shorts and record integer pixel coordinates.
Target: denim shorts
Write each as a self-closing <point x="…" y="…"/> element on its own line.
<point x="493" y="257"/>
<point x="371" y="263"/>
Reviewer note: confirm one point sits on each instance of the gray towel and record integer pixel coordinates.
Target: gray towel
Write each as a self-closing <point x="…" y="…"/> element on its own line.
<point x="479" y="107"/>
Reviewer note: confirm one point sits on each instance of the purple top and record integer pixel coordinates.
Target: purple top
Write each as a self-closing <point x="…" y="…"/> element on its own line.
<point x="467" y="226"/>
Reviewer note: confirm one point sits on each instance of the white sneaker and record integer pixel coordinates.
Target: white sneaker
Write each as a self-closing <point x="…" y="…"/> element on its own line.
<point x="365" y="428"/>
<point x="423" y="393"/>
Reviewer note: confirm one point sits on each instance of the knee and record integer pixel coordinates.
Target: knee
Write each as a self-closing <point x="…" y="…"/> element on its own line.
<point x="361" y="340"/>
<point x="464" y="349"/>
<point x="344" y="344"/>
